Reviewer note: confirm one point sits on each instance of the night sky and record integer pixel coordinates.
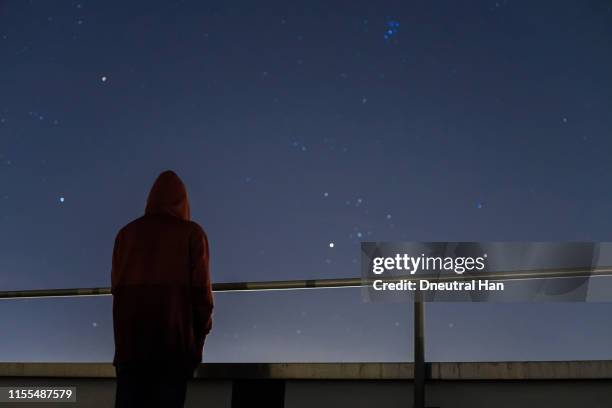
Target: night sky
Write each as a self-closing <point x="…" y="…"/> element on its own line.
<point x="295" y="126"/>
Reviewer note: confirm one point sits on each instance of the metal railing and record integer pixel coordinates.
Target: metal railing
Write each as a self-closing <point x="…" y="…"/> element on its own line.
<point x="299" y="284"/>
<point x="419" y="311"/>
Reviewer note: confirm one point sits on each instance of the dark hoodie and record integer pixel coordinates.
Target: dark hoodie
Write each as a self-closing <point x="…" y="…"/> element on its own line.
<point x="162" y="296"/>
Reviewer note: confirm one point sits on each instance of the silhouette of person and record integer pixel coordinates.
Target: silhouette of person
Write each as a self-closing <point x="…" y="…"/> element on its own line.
<point x="162" y="299"/>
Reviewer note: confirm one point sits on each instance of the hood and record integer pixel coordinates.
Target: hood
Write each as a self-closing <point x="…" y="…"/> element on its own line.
<point x="168" y="196"/>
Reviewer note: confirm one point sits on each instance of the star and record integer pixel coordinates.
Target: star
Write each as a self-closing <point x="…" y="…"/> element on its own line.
<point x="392" y="28"/>
<point x="61" y="199"/>
<point x="104" y="78"/>
<point x="331" y="244"/>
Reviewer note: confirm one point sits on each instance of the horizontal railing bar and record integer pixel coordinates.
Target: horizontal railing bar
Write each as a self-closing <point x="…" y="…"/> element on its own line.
<point x="335" y="283"/>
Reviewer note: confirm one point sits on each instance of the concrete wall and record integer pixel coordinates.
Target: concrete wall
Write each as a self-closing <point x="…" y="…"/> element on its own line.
<point x="379" y="385"/>
<point x="100" y="392"/>
<point x="451" y="394"/>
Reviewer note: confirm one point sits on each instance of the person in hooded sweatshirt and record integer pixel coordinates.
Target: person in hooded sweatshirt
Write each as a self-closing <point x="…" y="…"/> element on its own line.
<point x="162" y="299"/>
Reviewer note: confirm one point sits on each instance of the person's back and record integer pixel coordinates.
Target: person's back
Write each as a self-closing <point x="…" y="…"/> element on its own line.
<point x="162" y="296"/>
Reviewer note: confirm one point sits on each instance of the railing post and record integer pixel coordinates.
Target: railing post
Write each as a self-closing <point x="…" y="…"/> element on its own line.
<point x="419" y="351"/>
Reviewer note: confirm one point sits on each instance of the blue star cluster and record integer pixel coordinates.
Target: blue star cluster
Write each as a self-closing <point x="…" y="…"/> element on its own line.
<point x="391" y="30"/>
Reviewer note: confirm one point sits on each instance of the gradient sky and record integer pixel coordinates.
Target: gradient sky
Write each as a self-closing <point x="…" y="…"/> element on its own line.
<point x="295" y="125"/>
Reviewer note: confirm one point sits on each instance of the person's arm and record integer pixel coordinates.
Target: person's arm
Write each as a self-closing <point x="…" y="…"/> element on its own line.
<point x="115" y="264"/>
<point x="201" y="285"/>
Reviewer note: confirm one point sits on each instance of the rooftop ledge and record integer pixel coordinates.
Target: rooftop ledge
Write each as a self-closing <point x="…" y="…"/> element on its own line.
<point x="526" y="370"/>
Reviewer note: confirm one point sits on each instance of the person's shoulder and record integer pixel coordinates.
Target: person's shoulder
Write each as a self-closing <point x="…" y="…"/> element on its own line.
<point x="197" y="229"/>
<point x="130" y="225"/>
